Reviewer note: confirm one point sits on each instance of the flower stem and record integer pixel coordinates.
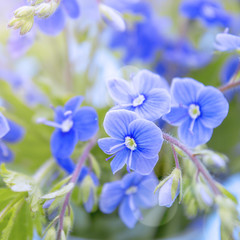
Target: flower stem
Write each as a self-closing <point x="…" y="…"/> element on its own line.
<point x="74" y="179"/>
<point x="229" y="86"/>
<point x="175" y="157"/>
<point x="200" y="167"/>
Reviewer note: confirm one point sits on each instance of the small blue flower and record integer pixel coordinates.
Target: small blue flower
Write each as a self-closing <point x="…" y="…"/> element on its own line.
<point x="197" y="109"/>
<point x="4" y="126"/>
<point x="14" y="134"/>
<point x="146" y="95"/>
<point x="133" y="141"/>
<point x="208" y="11"/>
<point x="72" y="125"/>
<point x="54" y="24"/>
<point x="131" y="193"/>
<point x="227" y="42"/>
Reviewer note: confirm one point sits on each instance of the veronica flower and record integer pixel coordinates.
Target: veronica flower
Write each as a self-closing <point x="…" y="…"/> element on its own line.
<point x="208" y="11"/>
<point x="13" y="133"/>
<point x="133" y="141"/>
<point x="72" y="125"/>
<point x="146" y="95"/>
<point x="131" y="193"/>
<point x="227" y="42"/>
<point x="197" y="109"/>
<point x="54" y="24"/>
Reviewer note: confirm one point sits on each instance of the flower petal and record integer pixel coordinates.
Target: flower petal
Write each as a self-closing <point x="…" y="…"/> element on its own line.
<point x="85" y="123"/>
<point x="63" y="144"/>
<point x="116" y="123"/>
<point x="227" y="42"/>
<point x="213" y="107"/>
<point x="73" y="104"/>
<point x="185" y="90"/>
<point x="176" y="116"/>
<point x="90" y="202"/>
<point x="198" y="136"/>
<point x="15" y="134"/>
<point x="147" y="136"/>
<point x="157" y="103"/>
<point x="4" y="126"/>
<point x="6" y="155"/>
<point x="71" y="7"/>
<point x="120" y="160"/>
<point x="111" y="196"/>
<point x="120" y="90"/>
<point x="67" y="164"/>
<point x="107" y="144"/>
<point x="59" y="114"/>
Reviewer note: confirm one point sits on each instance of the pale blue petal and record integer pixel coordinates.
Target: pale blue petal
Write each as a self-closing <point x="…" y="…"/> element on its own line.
<point x="131" y="179"/>
<point x="177" y="116"/>
<point x="67" y="164"/>
<point x="120" y="160"/>
<point x="6" y="155"/>
<point x="213" y="107"/>
<point x="144" y="81"/>
<point x="116" y="123"/>
<point x="4" y="126"/>
<point x="63" y="144"/>
<point x="227" y="42"/>
<point x="185" y="90"/>
<point x="120" y="90"/>
<point x="147" y="136"/>
<point x="90" y="202"/>
<point x="15" y="134"/>
<point x="71" y="7"/>
<point x="59" y="114"/>
<point x="157" y="103"/>
<point x="73" y="104"/>
<point x="200" y="134"/>
<point x="107" y="143"/>
<point x="85" y="123"/>
<point x="111" y="196"/>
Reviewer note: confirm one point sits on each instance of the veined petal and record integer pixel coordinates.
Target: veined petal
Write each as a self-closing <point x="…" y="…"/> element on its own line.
<point x="111" y="196"/>
<point x="156" y="104"/>
<point x="71" y="7"/>
<point x="147" y="136"/>
<point x="63" y="144"/>
<point x="199" y="135"/>
<point x="59" y="114"/>
<point x="73" y="104"/>
<point x="213" y="107"/>
<point x="110" y="145"/>
<point x="85" y="123"/>
<point x="141" y="164"/>
<point x="54" y="24"/>
<point x="185" y="90"/>
<point x="116" y="123"/>
<point x="120" y="160"/>
<point x="15" y="134"/>
<point x="145" y="81"/>
<point x="4" y="126"/>
<point x="6" y="155"/>
<point x="227" y="42"/>
<point x="176" y="116"/>
<point x="120" y="90"/>
<point x="67" y="164"/>
<point x="131" y="179"/>
<point x="128" y="214"/>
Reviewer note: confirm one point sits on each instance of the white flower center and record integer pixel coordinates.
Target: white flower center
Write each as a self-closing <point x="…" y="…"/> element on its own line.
<point x="208" y="11"/>
<point x="131" y="190"/>
<point x="138" y="101"/>
<point x="66" y="125"/>
<point x="130" y="143"/>
<point x="194" y="111"/>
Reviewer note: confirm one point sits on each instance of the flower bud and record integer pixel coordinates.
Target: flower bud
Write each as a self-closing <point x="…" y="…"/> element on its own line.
<point x="46" y="9"/>
<point x="203" y="195"/>
<point x="24" y="11"/>
<point x="27" y="26"/>
<point x="51" y="234"/>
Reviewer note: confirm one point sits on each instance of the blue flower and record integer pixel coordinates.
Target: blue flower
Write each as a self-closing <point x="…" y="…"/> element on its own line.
<point x="54" y="24"/>
<point x="4" y="126"/>
<point x="72" y="125"/>
<point x="146" y="95"/>
<point x="14" y="134"/>
<point x="133" y="141"/>
<point x="208" y="11"/>
<point x="197" y="109"/>
<point x="227" y="42"/>
<point x="131" y="193"/>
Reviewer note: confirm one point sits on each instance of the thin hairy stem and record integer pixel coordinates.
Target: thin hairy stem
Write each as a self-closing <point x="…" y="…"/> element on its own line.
<point x="175" y="157"/>
<point x="229" y="86"/>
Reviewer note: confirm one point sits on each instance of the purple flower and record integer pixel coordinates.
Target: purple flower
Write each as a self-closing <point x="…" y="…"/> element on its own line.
<point x="146" y="95"/>
<point x="208" y="11"/>
<point x="14" y="134"/>
<point x="197" y="109"/>
<point x="227" y="42"/>
<point x="133" y="141"/>
<point x="72" y="125"/>
<point x="54" y="24"/>
<point x="131" y="193"/>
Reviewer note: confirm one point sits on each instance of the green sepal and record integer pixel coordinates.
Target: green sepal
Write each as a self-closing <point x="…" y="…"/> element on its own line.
<point x="176" y="176"/>
<point x="161" y="183"/>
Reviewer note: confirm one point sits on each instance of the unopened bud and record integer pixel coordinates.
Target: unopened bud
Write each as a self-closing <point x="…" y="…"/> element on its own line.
<point x="25" y="11"/>
<point x="27" y="26"/>
<point x="46" y="9"/>
<point x="51" y="234"/>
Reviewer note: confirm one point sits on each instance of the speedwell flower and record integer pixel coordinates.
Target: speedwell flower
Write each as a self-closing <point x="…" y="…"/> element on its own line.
<point x="131" y="193"/>
<point x="197" y="110"/>
<point x="72" y="125"/>
<point x="133" y="141"/>
<point x="146" y="95"/>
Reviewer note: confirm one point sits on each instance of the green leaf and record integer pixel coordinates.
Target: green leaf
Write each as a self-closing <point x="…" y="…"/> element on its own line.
<point x="224" y="191"/>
